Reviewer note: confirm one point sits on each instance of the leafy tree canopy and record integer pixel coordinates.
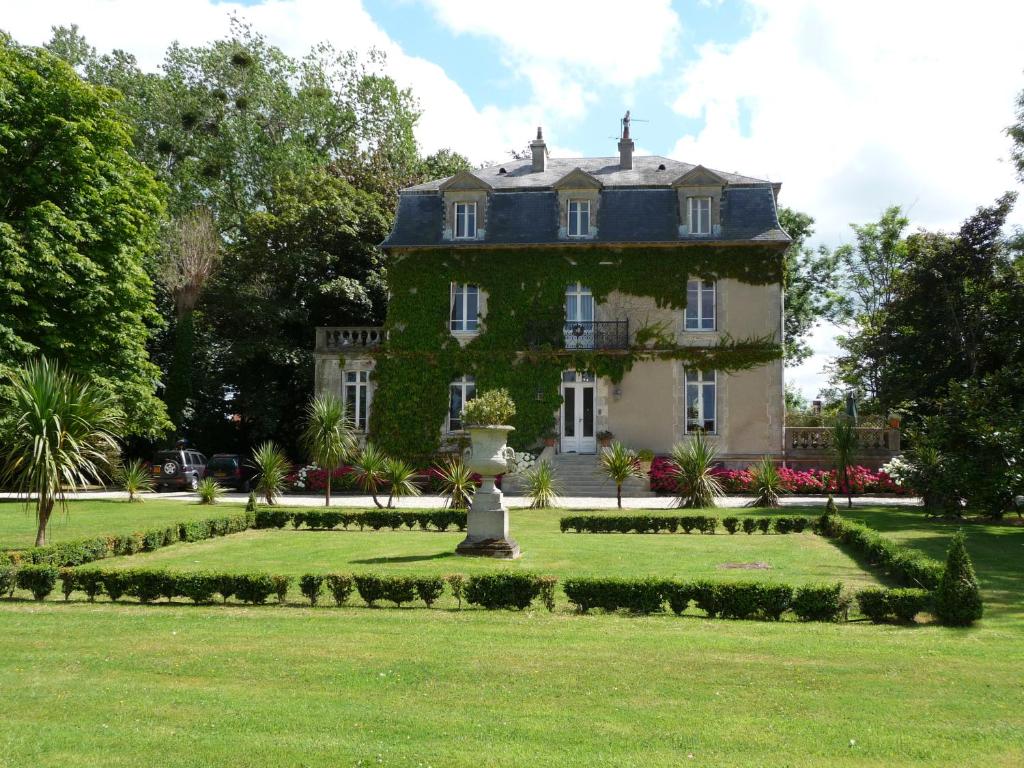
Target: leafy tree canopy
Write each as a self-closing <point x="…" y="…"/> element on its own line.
<point x="78" y="221"/>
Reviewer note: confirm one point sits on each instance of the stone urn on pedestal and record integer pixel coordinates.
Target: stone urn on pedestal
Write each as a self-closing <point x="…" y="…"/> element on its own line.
<point x="489" y="456"/>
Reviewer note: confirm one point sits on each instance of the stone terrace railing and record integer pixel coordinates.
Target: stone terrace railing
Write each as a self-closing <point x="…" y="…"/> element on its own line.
<point x="813" y="445"/>
<point x="348" y="338"/>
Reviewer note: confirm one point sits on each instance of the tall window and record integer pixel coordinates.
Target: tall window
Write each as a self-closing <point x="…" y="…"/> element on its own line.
<point x="465" y="220"/>
<point x="700" y="215"/>
<point x="579" y="218"/>
<point x="700" y="305"/>
<point x="357" y="398"/>
<point x="465" y="308"/>
<point x="460" y="392"/>
<point x="701" y="401"/>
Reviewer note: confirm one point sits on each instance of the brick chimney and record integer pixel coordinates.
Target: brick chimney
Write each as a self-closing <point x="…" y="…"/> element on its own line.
<point x="626" y="147"/>
<point x="540" y="152"/>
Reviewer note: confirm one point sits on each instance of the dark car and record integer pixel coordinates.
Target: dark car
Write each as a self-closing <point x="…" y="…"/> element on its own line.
<point x="181" y="468"/>
<point x="231" y="471"/>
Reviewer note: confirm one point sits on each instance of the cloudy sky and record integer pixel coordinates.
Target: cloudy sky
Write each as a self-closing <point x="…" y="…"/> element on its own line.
<point x="853" y="106"/>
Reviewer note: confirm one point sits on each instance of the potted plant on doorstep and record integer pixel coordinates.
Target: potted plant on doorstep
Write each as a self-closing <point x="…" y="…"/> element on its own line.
<point x="604" y="438"/>
<point x="487" y="419"/>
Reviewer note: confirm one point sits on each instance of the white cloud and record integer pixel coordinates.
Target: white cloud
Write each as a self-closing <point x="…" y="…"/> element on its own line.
<point x="856" y="106"/>
<point x="450" y="119"/>
<point x="571" y="50"/>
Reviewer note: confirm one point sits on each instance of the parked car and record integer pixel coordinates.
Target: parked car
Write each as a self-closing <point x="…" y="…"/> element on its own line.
<point x="231" y="471"/>
<point x="181" y="468"/>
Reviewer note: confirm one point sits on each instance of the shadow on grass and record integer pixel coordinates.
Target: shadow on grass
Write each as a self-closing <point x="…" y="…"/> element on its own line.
<point x="404" y="558"/>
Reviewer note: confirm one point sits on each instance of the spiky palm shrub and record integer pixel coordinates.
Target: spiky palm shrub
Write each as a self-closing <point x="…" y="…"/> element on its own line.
<point x="60" y="435"/>
<point x="272" y="468"/>
<point x="620" y="463"/>
<point x="766" y="483"/>
<point x="368" y="471"/>
<point x="457" y="485"/>
<point x="958" y="599"/>
<point x="135" y="478"/>
<point x="209" y="491"/>
<point x="399" y="476"/>
<point x="541" y="486"/>
<point x="844" y="448"/>
<point x="693" y="462"/>
<point x="329" y="437"/>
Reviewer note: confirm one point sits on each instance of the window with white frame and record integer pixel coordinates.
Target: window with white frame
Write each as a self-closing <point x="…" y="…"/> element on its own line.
<point x="700" y="215"/>
<point x="465" y="308"/>
<point x="700" y="305"/>
<point x="579" y="218"/>
<point x="357" y="398"/>
<point x="460" y="392"/>
<point x="701" y="401"/>
<point x="465" y="221"/>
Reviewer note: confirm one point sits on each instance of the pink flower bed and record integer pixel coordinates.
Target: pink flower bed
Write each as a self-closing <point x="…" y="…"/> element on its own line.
<point x="798" y="481"/>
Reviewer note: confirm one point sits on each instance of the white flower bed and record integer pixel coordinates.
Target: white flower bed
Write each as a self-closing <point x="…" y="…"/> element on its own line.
<point x="300" y="477"/>
<point x="521" y="462"/>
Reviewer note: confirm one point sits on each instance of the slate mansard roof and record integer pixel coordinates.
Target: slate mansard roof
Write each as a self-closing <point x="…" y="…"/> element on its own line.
<point x="639" y="205"/>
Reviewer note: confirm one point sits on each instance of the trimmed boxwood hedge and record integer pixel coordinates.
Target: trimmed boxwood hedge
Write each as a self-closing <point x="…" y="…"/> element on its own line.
<point x="678" y="523"/>
<point x="901" y="604"/>
<point x="907" y="566"/>
<point x="68" y="554"/>
<point x="374" y="519"/>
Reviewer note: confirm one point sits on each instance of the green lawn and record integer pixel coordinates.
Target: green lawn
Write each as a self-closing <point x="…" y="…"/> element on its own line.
<point x="176" y="685"/>
<point x="794" y="558"/>
<point x="100" y="516"/>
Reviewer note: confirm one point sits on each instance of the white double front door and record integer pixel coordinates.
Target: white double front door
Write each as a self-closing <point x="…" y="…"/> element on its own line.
<point x="578" y="396"/>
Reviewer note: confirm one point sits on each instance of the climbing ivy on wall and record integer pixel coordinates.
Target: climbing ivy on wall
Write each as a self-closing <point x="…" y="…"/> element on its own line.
<point x="520" y="345"/>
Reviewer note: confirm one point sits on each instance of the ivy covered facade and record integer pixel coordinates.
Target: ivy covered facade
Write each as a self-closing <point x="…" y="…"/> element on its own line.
<point x="639" y="296"/>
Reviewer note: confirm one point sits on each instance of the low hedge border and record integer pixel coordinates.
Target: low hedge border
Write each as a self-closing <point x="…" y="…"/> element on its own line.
<point x="728" y="600"/>
<point x="907" y="566"/>
<point x="491" y="591"/>
<point x="81" y="551"/>
<point x="375" y="519"/>
<point x="682" y="524"/>
<point x="68" y="554"/>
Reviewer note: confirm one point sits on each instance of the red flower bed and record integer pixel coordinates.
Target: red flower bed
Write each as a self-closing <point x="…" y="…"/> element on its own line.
<point x="798" y="481"/>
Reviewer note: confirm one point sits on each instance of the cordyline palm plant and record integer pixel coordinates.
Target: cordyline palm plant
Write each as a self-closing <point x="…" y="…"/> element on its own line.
<point x="329" y="437"/>
<point x="60" y="436"/>
<point x="693" y="463"/>
<point x="620" y="463"/>
<point x="209" y="490"/>
<point x="368" y="471"/>
<point x="844" y="447"/>
<point x="541" y="486"/>
<point x="135" y="478"/>
<point x="272" y="468"/>
<point x="399" y="476"/>
<point x="457" y="484"/>
<point x="766" y="483"/>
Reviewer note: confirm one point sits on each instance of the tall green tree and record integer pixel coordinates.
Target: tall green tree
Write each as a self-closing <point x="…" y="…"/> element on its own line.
<point x="299" y="161"/>
<point x="868" y="272"/>
<point x="810" y="280"/>
<point x="79" y="219"/>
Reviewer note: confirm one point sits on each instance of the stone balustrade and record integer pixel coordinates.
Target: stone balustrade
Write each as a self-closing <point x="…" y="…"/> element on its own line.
<point x="809" y="440"/>
<point x="348" y="338"/>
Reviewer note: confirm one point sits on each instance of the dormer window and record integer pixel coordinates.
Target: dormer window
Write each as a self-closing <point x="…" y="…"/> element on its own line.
<point x="579" y="218"/>
<point x="465" y="221"/>
<point x="699" y="215"/>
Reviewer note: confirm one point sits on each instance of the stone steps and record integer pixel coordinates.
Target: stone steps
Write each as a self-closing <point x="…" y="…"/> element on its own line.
<point x="580" y="475"/>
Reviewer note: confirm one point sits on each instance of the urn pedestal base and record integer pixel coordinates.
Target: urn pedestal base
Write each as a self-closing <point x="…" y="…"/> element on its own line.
<point x="487" y="528"/>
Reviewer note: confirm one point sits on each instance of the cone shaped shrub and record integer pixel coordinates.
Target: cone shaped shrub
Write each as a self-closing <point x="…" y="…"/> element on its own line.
<point x="958" y="600"/>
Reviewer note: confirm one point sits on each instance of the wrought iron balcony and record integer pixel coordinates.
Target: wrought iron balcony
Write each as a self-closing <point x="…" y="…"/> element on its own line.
<point x="597" y="334"/>
<point x="348" y="338"/>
